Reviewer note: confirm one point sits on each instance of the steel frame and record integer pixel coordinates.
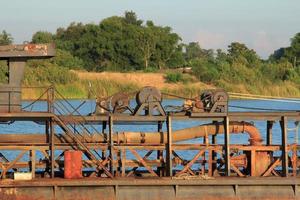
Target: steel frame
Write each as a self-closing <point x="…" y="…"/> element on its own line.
<point x="113" y="161"/>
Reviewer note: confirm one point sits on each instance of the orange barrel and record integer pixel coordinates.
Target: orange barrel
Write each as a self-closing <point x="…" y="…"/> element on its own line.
<point x="73" y="164"/>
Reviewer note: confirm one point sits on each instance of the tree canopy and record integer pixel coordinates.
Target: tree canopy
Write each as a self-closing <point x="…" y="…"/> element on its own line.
<point x="5" y="38"/>
<point x="127" y="43"/>
<point x="42" y="37"/>
<point x="291" y="53"/>
<point x="120" y="43"/>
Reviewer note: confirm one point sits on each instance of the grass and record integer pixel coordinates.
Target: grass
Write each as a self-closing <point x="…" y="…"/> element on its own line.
<point x="81" y="89"/>
<point x="282" y="89"/>
<point x="105" y="87"/>
<point x="91" y="85"/>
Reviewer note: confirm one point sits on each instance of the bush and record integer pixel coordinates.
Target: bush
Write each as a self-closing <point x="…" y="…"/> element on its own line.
<point x="150" y="70"/>
<point x="41" y="72"/>
<point x="67" y="60"/>
<point x="174" y="77"/>
<point x="3" y="72"/>
<point x="205" y="71"/>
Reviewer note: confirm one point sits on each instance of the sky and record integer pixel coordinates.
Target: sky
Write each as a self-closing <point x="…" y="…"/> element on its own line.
<point x="263" y="25"/>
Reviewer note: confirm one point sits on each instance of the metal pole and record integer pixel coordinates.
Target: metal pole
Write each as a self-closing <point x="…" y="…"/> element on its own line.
<point x="269" y="132"/>
<point x="169" y="147"/>
<point x="227" y="146"/>
<point x="284" y="146"/>
<point x="111" y="145"/>
<point x="32" y="162"/>
<point x="49" y="124"/>
<point x="104" y="123"/>
<point x="52" y="149"/>
<point x="296" y="131"/>
<point x="159" y="152"/>
<point x="212" y="157"/>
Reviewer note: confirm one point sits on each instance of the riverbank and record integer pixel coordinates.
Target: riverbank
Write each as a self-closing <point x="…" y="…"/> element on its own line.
<point x="91" y="85"/>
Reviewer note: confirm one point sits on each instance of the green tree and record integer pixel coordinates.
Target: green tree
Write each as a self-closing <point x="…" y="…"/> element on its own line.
<point x="147" y="40"/>
<point x="193" y="50"/>
<point x="66" y="59"/>
<point x="241" y="54"/>
<point x="290" y="54"/>
<point x="42" y="37"/>
<point x="131" y="18"/>
<point x="167" y="46"/>
<point x="121" y="43"/>
<point x="5" y="38"/>
<point x="295" y="49"/>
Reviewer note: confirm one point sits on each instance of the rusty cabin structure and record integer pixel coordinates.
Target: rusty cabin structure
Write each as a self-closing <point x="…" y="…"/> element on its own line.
<point x="141" y="165"/>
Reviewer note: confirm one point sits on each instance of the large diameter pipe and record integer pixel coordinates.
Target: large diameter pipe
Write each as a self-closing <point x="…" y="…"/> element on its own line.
<point x="145" y="137"/>
<point x="191" y="133"/>
<point x="262" y="159"/>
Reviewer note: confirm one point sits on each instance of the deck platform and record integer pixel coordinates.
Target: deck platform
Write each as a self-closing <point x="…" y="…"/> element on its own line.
<point x="153" y="188"/>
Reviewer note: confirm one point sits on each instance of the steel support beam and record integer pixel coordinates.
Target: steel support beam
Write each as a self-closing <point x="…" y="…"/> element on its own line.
<point x="159" y="152"/>
<point x="111" y="144"/>
<point x="285" y="161"/>
<point x="269" y="132"/>
<point x="52" y="149"/>
<point x="169" y="171"/>
<point x="227" y="146"/>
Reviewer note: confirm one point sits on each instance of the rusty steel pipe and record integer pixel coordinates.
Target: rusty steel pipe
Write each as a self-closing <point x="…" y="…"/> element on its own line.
<point x="145" y="137"/>
<point x="191" y="133"/>
<point x="262" y="159"/>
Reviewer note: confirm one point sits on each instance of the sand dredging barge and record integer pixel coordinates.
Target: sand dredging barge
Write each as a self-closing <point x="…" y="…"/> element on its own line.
<point x="82" y="156"/>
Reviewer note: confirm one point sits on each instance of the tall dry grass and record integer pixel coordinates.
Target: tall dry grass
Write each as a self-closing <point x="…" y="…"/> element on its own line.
<point x="91" y="85"/>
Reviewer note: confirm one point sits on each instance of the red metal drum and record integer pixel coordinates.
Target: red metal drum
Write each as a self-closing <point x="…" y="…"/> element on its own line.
<point x="73" y="164"/>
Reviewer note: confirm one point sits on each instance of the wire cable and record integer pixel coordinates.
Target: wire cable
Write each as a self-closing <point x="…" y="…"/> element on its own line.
<point x="256" y="108"/>
<point x="38" y="99"/>
<point x="263" y="96"/>
<point x="264" y="99"/>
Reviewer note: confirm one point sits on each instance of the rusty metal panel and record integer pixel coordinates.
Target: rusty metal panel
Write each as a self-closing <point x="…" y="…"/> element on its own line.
<point x="146" y="192"/>
<point x="206" y="192"/>
<point x="27" y="193"/>
<point x="27" y="51"/>
<point x="85" y="193"/>
<point x="275" y="192"/>
<point x="16" y="71"/>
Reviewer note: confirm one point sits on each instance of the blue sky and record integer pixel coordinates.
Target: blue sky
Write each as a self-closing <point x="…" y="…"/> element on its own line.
<point x="263" y="25"/>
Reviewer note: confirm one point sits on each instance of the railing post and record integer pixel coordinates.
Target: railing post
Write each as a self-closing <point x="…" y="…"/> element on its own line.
<point x="284" y="151"/>
<point x="49" y="125"/>
<point x="52" y="148"/>
<point x="212" y="155"/>
<point x="227" y="146"/>
<point x="32" y="162"/>
<point x="104" y="123"/>
<point x="159" y="152"/>
<point x="253" y="163"/>
<point x="9" y="99"/>
<point x="50" y="99"/>
<point x="169" y="147"/>
<point x="269" y="132"/>
<point x="111" y="145"/>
